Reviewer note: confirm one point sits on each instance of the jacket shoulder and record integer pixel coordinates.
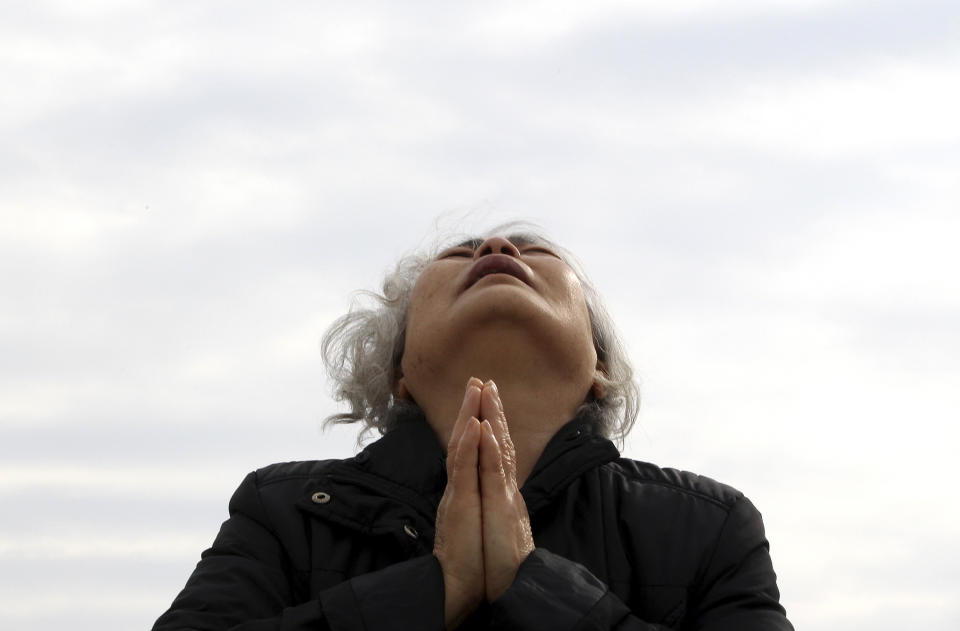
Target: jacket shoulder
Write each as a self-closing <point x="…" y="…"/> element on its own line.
<point x="675" y="481"/>
<point x="295" y="470"/>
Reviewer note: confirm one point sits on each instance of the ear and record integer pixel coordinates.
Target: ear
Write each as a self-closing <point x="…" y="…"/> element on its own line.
<point x="598" y="390"/>
<point x="400" y="391"/>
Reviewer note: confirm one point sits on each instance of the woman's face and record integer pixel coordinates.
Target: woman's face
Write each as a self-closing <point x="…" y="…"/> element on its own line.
<point x="500" y="288"/>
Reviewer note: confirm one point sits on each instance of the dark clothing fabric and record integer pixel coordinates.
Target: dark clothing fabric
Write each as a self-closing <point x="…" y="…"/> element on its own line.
<point x="346" y="545"/>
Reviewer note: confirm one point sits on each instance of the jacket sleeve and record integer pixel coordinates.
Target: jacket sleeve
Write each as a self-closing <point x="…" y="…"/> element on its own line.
<point x="243" y="583"/>
<point x="738" y="591"/>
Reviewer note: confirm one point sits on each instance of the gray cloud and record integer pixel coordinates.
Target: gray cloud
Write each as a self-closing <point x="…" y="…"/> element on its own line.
<point x="190" y="194"/>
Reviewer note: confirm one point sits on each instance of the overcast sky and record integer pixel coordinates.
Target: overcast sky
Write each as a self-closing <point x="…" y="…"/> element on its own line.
<point x="765" y="191"/>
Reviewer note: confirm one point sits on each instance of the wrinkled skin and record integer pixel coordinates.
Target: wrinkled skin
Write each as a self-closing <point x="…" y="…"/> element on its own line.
<point x="483" y="529"/>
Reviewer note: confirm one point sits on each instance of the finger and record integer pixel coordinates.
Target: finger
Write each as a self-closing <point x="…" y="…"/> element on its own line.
<point x="463" y="477"/>
<point x="458" y="544"/>
<point x="469" y="408"/>
<point x="491" y="409"/>
<point x="492" y="476"/>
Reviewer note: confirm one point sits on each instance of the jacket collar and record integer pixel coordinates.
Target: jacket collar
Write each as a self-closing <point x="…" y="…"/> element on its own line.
<point x="576" y="448"/>
<point x="407" y="467"/>
<point x="409" y="455"/>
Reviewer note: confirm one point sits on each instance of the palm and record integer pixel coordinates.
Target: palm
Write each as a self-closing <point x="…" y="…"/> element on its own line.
<point x="483" y="531"/>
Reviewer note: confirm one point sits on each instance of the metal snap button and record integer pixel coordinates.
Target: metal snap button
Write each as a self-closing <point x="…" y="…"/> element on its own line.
<point x="410" y="530"/>
<point x="320" y="497"/>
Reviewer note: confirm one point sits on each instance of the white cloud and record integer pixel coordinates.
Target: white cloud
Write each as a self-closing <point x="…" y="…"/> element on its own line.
<point x="146" y="546"/>
<point x="80" y="603"/>
<point x="155" y="482"/>
<point x="510" y="26"/>
<point x="868" y="113"/>
<point x="883" y="270"/>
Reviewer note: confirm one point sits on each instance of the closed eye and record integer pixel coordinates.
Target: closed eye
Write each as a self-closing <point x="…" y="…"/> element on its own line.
<point x="539" y="249"/>
<point x="458" y="251"/>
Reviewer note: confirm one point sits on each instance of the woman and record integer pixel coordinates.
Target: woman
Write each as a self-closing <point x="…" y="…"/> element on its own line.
<point x="503" y="504"/>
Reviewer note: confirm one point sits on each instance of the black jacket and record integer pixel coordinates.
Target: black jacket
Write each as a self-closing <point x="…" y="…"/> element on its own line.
<point x="346" y="545"/>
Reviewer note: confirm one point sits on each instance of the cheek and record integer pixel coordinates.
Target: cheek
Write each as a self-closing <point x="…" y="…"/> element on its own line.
<point x="424" y="300"/>
<point x="579" y="315"/>
<point x="574" y="298"/>
<point x="425" y="314"/>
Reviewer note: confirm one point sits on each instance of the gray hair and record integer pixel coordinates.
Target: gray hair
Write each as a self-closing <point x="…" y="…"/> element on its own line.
<point x="362" y="349"/>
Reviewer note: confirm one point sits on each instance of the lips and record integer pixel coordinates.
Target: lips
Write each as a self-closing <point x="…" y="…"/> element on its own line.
<point x="496" y="264"/>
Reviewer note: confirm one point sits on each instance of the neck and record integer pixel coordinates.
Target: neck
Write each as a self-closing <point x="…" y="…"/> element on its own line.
<point x="538" y="395"/>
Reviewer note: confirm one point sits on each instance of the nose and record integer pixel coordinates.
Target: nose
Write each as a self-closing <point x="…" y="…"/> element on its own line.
<point x="496" y="245"/>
